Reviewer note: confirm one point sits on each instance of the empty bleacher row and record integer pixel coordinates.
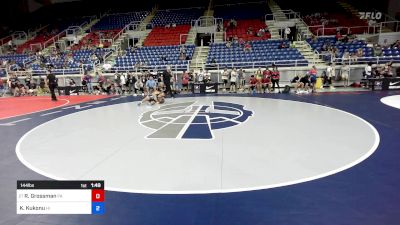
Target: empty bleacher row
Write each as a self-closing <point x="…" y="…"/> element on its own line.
<point x="176" y="16"/>
<point x="119" y="21"/>
<point x="263" y="53"/>
<point x="154" y="56"/>
<point x="167" y="36"/>
<point x="240" y="11"/>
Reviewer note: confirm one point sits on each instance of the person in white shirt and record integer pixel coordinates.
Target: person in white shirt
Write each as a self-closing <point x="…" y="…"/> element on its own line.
<point x="345" y="70"/>
<point x="207" y="76"/>
<point x="224" y="77"/>
<point x="200" y="76"/>
<point x="368" y="70"/>
<point x="234" y="75"/>
<point x="287" y="32"/>
<point x="330" y="72"/>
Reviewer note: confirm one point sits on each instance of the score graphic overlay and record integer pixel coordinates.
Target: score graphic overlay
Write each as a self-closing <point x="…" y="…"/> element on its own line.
<point x="60" y="197"/>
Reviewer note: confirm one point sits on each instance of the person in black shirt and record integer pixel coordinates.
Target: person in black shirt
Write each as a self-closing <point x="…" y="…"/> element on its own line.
<point x="52" y="83"/>
<point x="167" y="81"/>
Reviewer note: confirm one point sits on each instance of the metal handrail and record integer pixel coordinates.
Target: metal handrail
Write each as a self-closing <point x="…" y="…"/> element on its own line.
<point x="253" y="63"/>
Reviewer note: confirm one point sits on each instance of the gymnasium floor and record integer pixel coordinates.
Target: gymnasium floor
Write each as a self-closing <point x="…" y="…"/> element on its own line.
<point x="326" y="158"/>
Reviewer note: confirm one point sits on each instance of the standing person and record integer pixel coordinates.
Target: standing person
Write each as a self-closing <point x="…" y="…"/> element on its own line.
<point x="224" y="77"/>
<point x="167" y="74"/>
<point x="234" y="75"/>
<point x="275" y="76"/>
<point x="88" y="79"/>
<point x="185" y="81"/>
<point x="313" y="77"/>
<point x="177" y="83"/>
<point x="330" y="72"/>
<point x="51" y="81"/>
<point x="345" y="71"/>
<point x="241" y="78"/>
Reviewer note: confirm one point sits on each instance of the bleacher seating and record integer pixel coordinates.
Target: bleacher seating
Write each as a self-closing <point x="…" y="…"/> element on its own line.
<point x="152" y="57"/>
<point x="388" y="54"/>
<point x="119" y="21"/>
<point x="166" y="36"/>
<point x="328" y="12"/>
<point x="239" y="11"/>
<point x="263" y="53"/>
<point x="176" y="16"/>
<point x="19" y="59"/>
<point x="241" y="30"/>
<point x="92" y="40"/>
<point x="79" y="58"/>
<point x="51" y="31"/>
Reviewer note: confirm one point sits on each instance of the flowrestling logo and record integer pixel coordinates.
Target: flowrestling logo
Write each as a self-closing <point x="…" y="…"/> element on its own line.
<point x="188" y="120"/>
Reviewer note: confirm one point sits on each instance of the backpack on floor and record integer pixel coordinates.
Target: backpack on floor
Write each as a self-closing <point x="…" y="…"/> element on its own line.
<point x="286" y="89"/>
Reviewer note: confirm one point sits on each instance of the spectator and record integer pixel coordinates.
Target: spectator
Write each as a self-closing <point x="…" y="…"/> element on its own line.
<point x="368" y="70"/>
<point x="313" y="77"/>
<point x="150" y="84"/>
<point x="388" y="70"/>
<point x="241" y="79"/>
<point x="167" y="75"/>
<point x="330" y="74"/>
<point x="224" y="77"/>
<point x="87" y="79"/>
<point x="377" y="49"/>
<point x="228" y="44"/>
<point x="396" y="44"/>
<point x="173" y="25"/>
<point x="282" y="45"/>
<point x="232" y="23"/>
<point x="250" y="30"/>
<point x="247" y="47"/>
<point x="115" y="85"/>
<point x="2" y="88"/>
<point x="233" y="79"/>
<point x="253" y="83"/>
<point x="275" y="77"/>
<point x="345" y="71"/>
<point x="338" y="36"/>
<point x="185" y="81"/>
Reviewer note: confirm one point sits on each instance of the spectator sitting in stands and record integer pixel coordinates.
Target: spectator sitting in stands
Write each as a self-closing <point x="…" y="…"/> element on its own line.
<point x="345" y="56"/>
<point x="387" y="70"/>
<point x="173" y="25"/>
<point x="360" y="52"/>
<point x="250" y="30"/>
<point x="241" y="42"/>
<point x="282" y="45"/>
<point x="260" y="32"/>
<point x="396" y="44"/>
<point x="182" y="56"/>
<point x="163" y="58"/>
<point x="213" y="62"/>
<point x="377" y="50"/>
<point x="167" y="25"/>
<point x="247" y="47"/>
<point x="228" y="44"/>
<point x="235" y="40"/>
<point x="338" y="37"/>
<point x="232" y="23"/>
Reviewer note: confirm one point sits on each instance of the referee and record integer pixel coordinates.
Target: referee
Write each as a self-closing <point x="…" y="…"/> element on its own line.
<point x="52" y="83"/>
<point x="167" y="81"/>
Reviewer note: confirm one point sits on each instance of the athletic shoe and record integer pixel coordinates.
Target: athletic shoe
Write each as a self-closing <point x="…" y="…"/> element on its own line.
<point x="140" y="103"/>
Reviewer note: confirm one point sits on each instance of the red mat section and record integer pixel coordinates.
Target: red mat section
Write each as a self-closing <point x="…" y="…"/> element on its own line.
<point x="18" y="106"/>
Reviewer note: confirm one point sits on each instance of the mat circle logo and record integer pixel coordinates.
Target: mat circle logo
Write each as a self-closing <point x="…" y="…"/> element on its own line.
<point x="190" y="121"/>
